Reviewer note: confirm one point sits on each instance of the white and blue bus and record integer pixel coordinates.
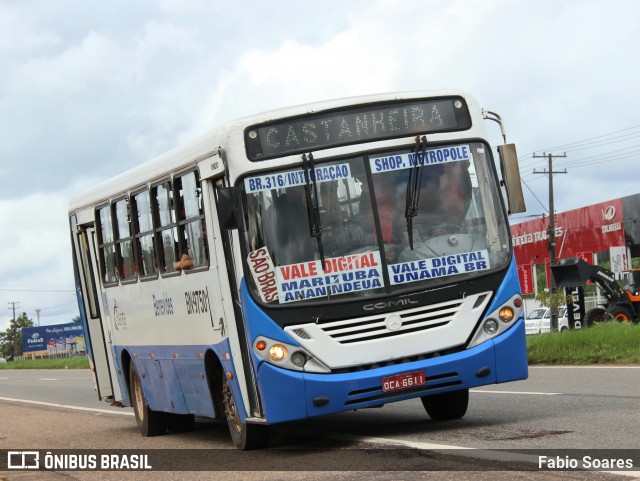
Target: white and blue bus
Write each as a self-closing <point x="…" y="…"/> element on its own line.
<point x="306" y="261"/>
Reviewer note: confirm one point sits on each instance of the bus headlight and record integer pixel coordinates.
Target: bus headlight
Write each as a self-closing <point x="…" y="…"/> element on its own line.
<point x="490" y="327"/>
<point x="287" y="356"/>
<point x="506" y="314"/>
<point x="298" y="359"/>
<point x="277" y="352"/>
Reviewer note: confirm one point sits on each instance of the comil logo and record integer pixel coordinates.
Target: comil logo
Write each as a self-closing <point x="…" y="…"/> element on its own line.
<point x="23" y="460"/>
<point x="609" y="213"/>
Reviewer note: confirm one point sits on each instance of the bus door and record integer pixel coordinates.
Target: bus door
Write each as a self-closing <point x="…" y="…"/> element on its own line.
<point x="98" y="335"/>
<point x="222" y="255"/>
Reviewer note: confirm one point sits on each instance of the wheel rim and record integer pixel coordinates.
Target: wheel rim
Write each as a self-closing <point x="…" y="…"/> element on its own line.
<point x="230" y="407"/>
<point x="137" y="396"/>
<point x="621" y="318"/>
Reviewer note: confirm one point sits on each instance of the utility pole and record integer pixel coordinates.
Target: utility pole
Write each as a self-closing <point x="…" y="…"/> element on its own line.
<point x="13" y="307"/>
<point x="552" y="228"/>
<point x="15" y="339"/>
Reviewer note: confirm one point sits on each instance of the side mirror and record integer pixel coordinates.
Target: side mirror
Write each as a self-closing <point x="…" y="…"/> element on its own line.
<point x="511" y="177"/>
<point x="228" y="207"/>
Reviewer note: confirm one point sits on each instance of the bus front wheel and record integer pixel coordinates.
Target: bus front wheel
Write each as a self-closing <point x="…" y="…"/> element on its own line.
<point x="150" y="423"/>
<point x="245" y="436"/>
<point x="447" y="405"/>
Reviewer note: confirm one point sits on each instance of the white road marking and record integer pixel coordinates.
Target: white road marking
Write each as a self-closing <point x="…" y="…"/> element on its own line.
<point x="591" y="366"/>
<point x="517" y="392"/>
<point x="66" y="406"/>
<point x="48" y="379"/>
<point x="486" y="454"/>
<point x="451" y="449"/>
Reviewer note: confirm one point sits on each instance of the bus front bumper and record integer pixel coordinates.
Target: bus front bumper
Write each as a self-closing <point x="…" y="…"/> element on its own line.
<point x="291" y="395"/>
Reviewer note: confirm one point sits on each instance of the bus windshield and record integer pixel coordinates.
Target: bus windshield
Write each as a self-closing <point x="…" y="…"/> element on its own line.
<point x="354" y="215"/>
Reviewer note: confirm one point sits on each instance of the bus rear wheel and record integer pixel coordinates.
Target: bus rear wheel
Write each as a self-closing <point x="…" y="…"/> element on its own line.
<point x="245" y="436"/>
<point x="447" y="405"/>
<point x="150" y="423"/>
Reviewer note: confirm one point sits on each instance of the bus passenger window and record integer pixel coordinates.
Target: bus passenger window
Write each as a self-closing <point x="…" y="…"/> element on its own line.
<point x="126" y="264"/>
<point x="192" y="232"/>
<point x="107" y="247"/>
<point x="144" y="236"/>
<point x="167" y="232"/>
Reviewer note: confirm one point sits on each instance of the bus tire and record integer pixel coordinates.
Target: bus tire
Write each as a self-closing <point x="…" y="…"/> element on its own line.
<point x="620" y="314"/>
<point x="594" y="315"/>
<point x="150" y="423"/>
<point x="447" y="405"/>
<point x="245" y="436"/>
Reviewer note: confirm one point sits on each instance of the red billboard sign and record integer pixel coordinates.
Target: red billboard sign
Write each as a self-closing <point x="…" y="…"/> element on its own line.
<point x="578" y="232"/>
<point x="525" y="274"/>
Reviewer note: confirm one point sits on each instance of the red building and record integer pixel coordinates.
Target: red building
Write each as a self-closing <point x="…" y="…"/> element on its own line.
<point x="609" y="229"/>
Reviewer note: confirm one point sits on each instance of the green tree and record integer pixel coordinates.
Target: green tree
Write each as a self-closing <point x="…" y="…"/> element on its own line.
<point x="76" y="319"/>
<point x="554" y="301"/>
<point x="11" y="339"/>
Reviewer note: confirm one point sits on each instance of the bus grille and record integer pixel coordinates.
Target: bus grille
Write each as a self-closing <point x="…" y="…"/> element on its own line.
<point x="379" y="326"/>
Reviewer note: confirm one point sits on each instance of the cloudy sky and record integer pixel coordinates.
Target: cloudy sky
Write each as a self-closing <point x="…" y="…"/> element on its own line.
<point x="89" y="89"/>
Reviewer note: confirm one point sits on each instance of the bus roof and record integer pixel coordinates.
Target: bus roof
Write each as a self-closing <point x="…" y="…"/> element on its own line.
<point x="229" y="136"/>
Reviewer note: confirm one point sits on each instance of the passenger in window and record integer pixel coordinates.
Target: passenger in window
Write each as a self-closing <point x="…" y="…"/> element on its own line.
<point x="185" y="262"/>
<point x="357" y="234"/>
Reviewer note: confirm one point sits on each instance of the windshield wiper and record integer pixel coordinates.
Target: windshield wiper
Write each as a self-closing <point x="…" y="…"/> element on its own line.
<point x="413" y="185"/>
<point x="313" y="209"/>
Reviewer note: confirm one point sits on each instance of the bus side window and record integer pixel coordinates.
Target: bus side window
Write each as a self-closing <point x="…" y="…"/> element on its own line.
<point x="106" y="246"/>
<point x="166" y="230"/>
<point x="192" y="233"/>
<point x="124" y="242"/>
<point x="145" y="245"/>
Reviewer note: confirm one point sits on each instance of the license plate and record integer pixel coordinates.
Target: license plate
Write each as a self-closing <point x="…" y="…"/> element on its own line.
<point x="403" y="381"/>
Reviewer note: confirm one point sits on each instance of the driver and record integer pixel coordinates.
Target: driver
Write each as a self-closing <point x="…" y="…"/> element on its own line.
<point x="445" y="198"/>
<point x="354" y="234"/>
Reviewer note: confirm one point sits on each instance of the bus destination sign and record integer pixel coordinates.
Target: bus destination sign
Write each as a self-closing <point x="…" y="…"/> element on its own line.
<point x="356" y="124"/>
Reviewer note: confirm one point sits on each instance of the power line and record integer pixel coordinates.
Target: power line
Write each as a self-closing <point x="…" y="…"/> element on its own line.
<point x="70" y="300"/>
<point x="591" y="142"/>
<point x="592" y="138"/>
<point x="17" y="289"/>
<point x="605" y="156"/>
<point x="612" y="155"/>
<point x="534" y="194"/>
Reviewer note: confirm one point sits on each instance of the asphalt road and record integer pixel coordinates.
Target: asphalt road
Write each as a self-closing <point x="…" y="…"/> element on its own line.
<point x="556" y="409"/>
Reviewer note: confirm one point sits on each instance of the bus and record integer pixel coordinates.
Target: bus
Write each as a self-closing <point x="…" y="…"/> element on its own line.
<point x="302" y="262"/>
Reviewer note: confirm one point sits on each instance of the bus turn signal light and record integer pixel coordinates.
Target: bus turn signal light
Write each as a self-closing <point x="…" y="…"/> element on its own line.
<point x="261" y="345"/>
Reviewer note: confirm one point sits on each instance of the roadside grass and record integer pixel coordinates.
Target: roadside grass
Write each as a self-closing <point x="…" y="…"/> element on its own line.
<point x="76" y="362"/>
<point x="604" y="343"/>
